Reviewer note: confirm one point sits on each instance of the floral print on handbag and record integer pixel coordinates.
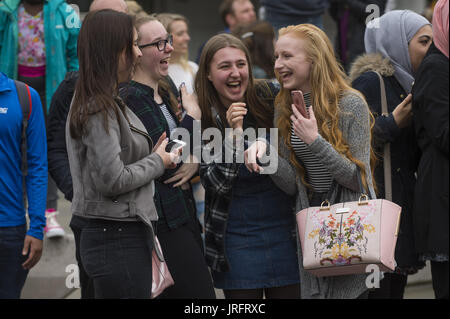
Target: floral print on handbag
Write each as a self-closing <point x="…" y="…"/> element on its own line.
<point x="345" y="238"/>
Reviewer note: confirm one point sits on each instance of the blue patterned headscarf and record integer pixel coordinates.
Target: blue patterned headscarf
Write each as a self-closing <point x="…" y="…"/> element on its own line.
<point x="390" y="35"/>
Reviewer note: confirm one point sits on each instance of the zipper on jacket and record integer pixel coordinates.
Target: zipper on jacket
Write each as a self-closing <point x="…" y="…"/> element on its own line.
<point x="145" y="134"/>
<point x="134" y="129"/>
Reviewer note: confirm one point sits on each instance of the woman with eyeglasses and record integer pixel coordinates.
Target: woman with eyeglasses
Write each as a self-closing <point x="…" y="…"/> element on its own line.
<point x="182" y="70"/>
<point x="149" y="97"/>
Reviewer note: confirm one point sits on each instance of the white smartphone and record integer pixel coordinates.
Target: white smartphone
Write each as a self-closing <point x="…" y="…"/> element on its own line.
<point x="175" y="145"/>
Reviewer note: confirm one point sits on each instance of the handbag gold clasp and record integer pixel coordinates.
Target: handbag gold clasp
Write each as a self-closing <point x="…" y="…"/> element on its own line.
<point x="363" y="202"/>
<point x="322" y="207"/>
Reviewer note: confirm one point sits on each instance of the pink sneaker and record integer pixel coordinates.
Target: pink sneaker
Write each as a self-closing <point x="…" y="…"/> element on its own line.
<point x="52" y="229"/>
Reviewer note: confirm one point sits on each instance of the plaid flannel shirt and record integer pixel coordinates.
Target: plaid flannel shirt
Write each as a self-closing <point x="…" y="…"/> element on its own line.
<point x="217" y="178"/>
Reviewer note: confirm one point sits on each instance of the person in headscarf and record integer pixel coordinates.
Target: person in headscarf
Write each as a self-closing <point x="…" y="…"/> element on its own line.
<point x="396" y="44"/>
<point x="440" y="27"/>
<point x="431" y="118"/>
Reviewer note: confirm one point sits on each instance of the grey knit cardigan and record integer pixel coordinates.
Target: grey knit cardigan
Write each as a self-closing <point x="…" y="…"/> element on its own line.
<point x="355" y="126"/>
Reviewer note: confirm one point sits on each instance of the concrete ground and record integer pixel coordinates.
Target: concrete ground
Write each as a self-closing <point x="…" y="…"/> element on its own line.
<point x="50" y="278"/>
<point x="419" y="291"/>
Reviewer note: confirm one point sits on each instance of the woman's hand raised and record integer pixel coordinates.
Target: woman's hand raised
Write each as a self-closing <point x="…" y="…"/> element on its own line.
<point x="235" y="115"/>
<point x="189" y="103"/>
<point x="305" y="129"/>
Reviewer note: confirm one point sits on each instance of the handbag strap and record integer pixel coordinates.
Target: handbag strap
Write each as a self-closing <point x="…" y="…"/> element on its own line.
<point x="387" y="146"/>
<point x="339" y="187"/>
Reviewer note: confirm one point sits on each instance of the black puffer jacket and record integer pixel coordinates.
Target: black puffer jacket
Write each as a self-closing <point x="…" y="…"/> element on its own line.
<point x="58" y="162"/>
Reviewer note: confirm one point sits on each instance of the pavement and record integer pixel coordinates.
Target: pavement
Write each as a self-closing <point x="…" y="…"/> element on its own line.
<point x="53" y="277"/>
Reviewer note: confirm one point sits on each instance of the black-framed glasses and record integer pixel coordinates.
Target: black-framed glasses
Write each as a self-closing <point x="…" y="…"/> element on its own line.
<point x="160" y="44"/>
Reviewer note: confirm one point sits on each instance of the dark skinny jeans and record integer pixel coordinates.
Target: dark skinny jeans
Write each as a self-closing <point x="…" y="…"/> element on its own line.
<point x="117" y="258"/>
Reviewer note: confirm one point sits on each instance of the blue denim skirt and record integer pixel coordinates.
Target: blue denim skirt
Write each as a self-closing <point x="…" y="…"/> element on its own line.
<point x="260" y="241"/>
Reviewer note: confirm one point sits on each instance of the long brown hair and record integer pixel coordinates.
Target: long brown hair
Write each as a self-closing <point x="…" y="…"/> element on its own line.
<point x="257" y="103"/>
<point x="328" y="84"/>
<point x="104" y="36"/>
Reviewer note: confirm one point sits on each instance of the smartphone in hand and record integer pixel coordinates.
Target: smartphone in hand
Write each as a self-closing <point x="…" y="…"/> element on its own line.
<point x="180" y="95"/>
<point x="174" y="146"/>
<point x="299" y="102"/>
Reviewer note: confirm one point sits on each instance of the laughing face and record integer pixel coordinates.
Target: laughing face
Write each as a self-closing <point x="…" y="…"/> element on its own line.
<point x="181" y="36"/>
<point x="229" y="75"/>
<point x="292" y="64"/>
<point x="153" y="61"/>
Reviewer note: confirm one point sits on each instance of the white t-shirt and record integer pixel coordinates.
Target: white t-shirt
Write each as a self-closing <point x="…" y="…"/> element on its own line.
<point x="180" y="75"/>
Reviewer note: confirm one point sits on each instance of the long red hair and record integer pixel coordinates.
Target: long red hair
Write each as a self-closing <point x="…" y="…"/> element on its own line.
<point x="328" y="83"/>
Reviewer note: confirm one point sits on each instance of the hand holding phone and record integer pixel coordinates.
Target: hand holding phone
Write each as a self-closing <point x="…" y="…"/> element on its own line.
<point x="169" y="159"/>
<point x="175" y="146"/>
<point x="299" y="102"/>
<point x="180" y="95"/>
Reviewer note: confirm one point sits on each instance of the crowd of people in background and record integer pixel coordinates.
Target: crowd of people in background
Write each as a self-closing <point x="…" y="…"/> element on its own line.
<point x="89" y="107"/>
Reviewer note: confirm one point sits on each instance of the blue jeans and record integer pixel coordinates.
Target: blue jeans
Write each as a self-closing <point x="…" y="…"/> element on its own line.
<point x="117" y="256"/>
<point x="12" y="274"/>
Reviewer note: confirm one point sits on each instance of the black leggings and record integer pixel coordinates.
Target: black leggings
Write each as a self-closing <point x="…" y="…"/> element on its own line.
<point x="392" y="286"/>
<point x="285" y="292"/>
<point x="439" y="273"/>
<point x="37" y="83"/>
<point x="185" y="260"/>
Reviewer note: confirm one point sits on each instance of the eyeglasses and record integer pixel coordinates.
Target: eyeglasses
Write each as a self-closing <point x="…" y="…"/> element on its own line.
<point x="161" y="44"/>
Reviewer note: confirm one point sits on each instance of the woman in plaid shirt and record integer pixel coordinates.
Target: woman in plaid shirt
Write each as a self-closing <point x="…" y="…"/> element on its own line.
<point x="250" y="225"/>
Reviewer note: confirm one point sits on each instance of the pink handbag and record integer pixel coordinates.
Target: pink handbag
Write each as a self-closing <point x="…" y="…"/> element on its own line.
<point x="345" y="238"/>
<point x="161" y="277"/>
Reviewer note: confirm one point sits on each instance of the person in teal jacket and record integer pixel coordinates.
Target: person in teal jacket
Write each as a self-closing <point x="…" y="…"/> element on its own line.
<point x="38" y="46"/>
<point x="61" y="27"/>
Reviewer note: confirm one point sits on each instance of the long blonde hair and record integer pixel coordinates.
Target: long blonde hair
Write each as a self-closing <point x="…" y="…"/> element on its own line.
<point x="328" y="83"/>
<point x="166" y="20"/>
